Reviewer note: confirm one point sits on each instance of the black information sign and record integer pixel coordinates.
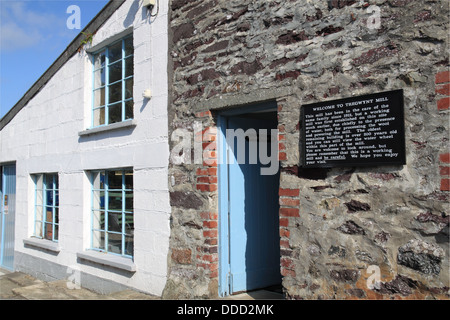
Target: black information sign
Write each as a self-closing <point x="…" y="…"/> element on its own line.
<point x="356" y="131"/>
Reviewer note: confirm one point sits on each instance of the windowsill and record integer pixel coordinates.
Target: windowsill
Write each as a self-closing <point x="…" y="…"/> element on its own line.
<point x="108" y="260"/>
<point x="115" y="126"/>
<point x="43" y="244"/>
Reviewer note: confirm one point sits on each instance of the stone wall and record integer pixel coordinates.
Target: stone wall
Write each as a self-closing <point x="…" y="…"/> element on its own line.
<point x="341" y="226"/>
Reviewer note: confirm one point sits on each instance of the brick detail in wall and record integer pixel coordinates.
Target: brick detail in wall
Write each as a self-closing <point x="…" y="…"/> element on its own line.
<point x="207" y="256"/>
<point x="444" y="170"/>
<point x="206" y="177"/>
<point x="281" y="144"/>
<point x="443" y="103"/>
<point x="289" y="209"/>
<point x="442" y="90"/>
<point x="281" y="135"/>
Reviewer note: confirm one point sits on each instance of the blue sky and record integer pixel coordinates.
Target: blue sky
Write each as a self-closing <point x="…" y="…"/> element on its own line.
<point x="33" y="34"/>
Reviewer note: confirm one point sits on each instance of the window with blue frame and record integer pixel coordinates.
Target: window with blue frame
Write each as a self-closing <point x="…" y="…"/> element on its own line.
<point x="113" y="83"/>
<point x="46" y="206"/>
<point x="112" y="211"/>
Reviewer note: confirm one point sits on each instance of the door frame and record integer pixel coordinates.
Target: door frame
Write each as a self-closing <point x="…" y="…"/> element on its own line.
<point x="224" y="189"/>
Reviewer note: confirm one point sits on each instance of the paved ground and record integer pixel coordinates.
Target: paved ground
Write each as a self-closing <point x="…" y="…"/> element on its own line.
<point x="21" y="286"/>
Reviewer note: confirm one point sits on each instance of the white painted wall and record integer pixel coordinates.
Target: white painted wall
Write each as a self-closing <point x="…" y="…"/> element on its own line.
<point x="43" y="137"/>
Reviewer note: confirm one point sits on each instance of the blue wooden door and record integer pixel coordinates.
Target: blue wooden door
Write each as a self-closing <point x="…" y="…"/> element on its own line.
<point x="7" y="216"/>
<point x="254" y="251"/>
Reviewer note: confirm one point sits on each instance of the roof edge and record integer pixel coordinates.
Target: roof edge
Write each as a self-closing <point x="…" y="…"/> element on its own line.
<point x="71" y="49"/>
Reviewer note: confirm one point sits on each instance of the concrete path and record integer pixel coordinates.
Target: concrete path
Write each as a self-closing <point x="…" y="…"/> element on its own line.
<point x="20" y="286"/>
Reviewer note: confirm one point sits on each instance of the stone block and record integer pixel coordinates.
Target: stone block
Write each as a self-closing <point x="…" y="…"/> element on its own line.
<point x="421" y="256"/>
<point x="182" y="256"/>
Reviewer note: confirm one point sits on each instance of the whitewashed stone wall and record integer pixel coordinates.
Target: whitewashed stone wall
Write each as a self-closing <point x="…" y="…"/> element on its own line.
<point x="44" y="137"/>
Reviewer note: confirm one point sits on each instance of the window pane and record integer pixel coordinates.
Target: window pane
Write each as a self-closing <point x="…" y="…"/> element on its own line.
<point x="129" y="201"/>
<point x="115" y="52"/>
<point x="129" y="105"/>
<point x="39" y="178"/>
<point x="38" y="229"/>
<point x="99" y="60"/>
<point x="115" y="243"/>
<point x="49" y="181"/>
<point x="129" y="109"/>
<point x="129" y="88"/>
<point x="115" y="222"/>
<point x="56" y="198"/>
<point x="99" y="97"/>
<point x="98" y="201"/>
<point x="129" y="179"/>
<point x="56" y="215"/>
<point x="129" y="224"/>
<point x="128" y="46"/>
<point x="39" y="197"/>
<point x="115" y="113"/>
<point x="98" y="180"/>
<point x="102" y="179"/>
<point x="48" y="214"/>
<point x="49" y="198"/>
<point x="98" y="239"/>
<point x="115" y="179"/>
<point x="115" y="72"/>
<point x="48" y="231"/>
<point x="129" y="245"/>
<point x="99" y="116"/>
<point x="56" y="232"/>
<point x="115" y="200"/>
<point x="129" y="66"/>
<point x="99" y="78"/>
<point x="39" y="211"/>
<point x="98" y="220"/>
<point x="115" y="92"/>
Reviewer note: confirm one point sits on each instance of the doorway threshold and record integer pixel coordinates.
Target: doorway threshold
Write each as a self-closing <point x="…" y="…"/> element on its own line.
<point x="257" y="295"/>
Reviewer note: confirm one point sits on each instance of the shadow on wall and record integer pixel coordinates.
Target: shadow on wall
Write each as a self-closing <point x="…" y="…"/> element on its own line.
<point x="108" y="133"/>
<point x="262" y="257"/>
<point x="132" y="14"/>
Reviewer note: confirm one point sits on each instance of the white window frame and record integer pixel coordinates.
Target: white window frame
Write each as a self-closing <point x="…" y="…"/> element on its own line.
<point x="41" y="194"/>
<point x="126" y="99"/>
<point x="97" y="208"/>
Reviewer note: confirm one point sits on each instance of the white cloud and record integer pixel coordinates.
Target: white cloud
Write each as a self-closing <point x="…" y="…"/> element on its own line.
<point x="21" y="28"/>
<point x="14" y="38"/>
